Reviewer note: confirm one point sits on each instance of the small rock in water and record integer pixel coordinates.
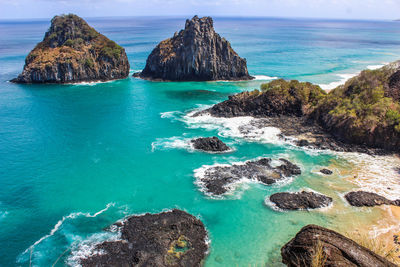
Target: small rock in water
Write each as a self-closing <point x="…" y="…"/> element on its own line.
<point x="326" y="171"/>
<point x="300" y="200"/>
<point x="368" y="199"/>
<point x="173" y="238"/>
<point x="210" y="144"/>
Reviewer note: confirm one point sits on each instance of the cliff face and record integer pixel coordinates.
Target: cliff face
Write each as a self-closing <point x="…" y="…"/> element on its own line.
<point x="196" y="53"/>
<point x="72" y="51"/>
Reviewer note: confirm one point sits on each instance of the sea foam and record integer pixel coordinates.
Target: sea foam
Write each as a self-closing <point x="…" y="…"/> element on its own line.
<point x="238" y="127"/>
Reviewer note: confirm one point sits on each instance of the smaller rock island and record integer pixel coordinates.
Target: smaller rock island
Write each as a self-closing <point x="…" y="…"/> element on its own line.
<point x="71" y="52"/>
<point x="196" y="53"/>
<point x="210" y="144"/>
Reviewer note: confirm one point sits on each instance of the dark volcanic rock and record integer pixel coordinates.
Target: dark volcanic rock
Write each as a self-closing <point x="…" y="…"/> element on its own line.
<point x="368" y="199"/>
<point x="326" y="171"/>
<point x="211" y="144"/>
<point x="218" y="180"/>
<point x="72" y="51"/>
<point x="173" y="238"/>
<point x="340" y="251"/>
<point x="196" y="53"/>
<point x="300" y="200"/>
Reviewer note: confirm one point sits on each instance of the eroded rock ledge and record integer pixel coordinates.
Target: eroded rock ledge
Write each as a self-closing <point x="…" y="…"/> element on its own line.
<point x="300" y="200"/>
<point x="218" y="180"/>
<point x="71" y="52"/>
<point x="368" y="199"/>
<point x="196" y="53"/>
<point x="210" y="144"/>
<point x="339" y="250"/>
<point x="173" y="238"/>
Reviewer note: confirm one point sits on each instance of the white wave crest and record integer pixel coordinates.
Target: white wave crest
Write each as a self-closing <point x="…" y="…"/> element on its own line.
<point x="60" y="222"/>
<point x="377" y="66"/>
<point x="171" y="143"/>
<point x="342" y="79"/>
<point x="264" y="78"/>
<point x="82" y="249"/>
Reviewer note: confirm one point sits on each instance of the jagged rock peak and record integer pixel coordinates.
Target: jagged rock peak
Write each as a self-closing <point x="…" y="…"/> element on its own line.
<point x="72" y="51"/>
<point x="196" y="53"/>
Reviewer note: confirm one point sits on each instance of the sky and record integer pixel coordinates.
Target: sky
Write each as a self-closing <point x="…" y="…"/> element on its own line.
<point x="340" y="9"/>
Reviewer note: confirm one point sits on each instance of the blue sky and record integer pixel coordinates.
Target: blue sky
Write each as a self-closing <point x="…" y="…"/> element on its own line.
<point x="346" y="9"/>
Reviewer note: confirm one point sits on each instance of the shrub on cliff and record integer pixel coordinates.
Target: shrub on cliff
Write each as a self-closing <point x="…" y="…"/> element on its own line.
<point x="362" y="111"/>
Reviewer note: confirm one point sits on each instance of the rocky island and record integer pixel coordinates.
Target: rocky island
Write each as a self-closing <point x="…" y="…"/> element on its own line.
<point x="71" y="52"/>
<point x="173" y="238"/>
<point x="196" y="53"/>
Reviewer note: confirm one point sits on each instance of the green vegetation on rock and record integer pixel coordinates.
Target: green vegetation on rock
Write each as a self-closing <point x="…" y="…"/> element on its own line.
<point x="365" y="110"/>
<point x="305" y="92"/>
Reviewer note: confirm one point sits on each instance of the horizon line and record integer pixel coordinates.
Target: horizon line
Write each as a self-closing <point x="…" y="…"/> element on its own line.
<point x="213" y="16"/>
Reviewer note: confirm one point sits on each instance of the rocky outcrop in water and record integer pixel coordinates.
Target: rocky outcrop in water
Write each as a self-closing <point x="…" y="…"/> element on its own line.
<point x="368" y="199"/>
<point x="210" y="144"/>
<point x="338" y="250"/>
<point x="326" y="171"/>
<point x="218" y="180"/>
<point x="173" y="238"/>
<point x="196" y="53"/>
<point x="300" y="200"/>
<point x="71" y="52"/>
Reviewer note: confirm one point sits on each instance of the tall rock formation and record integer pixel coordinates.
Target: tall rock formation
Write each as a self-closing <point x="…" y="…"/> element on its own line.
<point x="72" y="51"/>
<point x="196" y="53"/>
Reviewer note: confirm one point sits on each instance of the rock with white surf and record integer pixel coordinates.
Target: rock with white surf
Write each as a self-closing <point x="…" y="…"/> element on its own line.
<point x="219" y="180"/>
<point x="173" y="238"/>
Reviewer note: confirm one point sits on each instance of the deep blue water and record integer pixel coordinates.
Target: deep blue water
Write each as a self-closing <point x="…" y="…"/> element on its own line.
<point x="70" y="151"/>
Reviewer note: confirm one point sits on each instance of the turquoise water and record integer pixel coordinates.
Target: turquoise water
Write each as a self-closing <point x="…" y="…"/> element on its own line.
<point x="76" y="158"/>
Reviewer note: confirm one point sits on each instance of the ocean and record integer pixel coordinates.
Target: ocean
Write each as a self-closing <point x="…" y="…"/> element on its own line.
<point x="76" y="158"/>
